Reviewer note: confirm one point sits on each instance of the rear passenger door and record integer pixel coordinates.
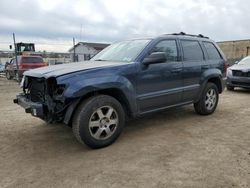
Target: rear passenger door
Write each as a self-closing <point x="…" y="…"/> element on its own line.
<point x="214" y="59"/>
<point x="193" y="63"/>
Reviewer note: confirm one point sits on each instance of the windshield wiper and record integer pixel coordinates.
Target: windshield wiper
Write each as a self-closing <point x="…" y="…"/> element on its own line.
<point x="100" y="60"/>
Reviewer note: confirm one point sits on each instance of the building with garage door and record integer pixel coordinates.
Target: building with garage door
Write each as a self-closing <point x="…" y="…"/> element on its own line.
<point x="85" y="50"/>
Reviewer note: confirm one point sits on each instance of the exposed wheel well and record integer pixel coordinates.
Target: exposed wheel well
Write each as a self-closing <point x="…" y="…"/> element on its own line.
<point x="217" y="82"/>
<point x="116" y="93"/>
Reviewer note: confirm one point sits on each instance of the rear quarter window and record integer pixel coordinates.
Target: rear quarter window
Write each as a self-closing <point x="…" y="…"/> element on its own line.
<point x="212" y="51"/>
<point x="192" y="50"/>
<point x="32" y="60"/>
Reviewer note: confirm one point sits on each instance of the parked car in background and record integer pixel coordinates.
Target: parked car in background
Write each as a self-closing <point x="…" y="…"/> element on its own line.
<point x="24" y="63"/>
<point x="238" y="75"/>
<point x="127" y="79"/>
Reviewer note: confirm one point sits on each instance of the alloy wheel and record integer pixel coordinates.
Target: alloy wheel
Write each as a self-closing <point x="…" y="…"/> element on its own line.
<point x="211" y="99"/>
<point x="103" y="122"/>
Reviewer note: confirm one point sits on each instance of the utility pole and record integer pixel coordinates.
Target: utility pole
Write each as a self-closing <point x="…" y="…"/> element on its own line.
<point x="81" y="34"/>
<point x="74" y="50"/>
<point x="14" y="39"/>
<point x="247" y="50"/>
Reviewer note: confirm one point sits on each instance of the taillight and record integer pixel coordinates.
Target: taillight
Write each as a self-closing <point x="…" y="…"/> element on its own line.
<point x="226" y="65"/>
<point x="20" y="66"/>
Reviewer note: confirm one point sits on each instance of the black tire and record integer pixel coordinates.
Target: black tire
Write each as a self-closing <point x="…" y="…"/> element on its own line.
<point x="87" y="110"/>
<point x="8" y="75"/>
<point x="201" y="107"/>
<point x="17" y="77"/>
<point x="230" y="88"/>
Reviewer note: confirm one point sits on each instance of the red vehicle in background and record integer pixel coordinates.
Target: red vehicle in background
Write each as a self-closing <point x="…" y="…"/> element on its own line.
<point x="24" y="63"/>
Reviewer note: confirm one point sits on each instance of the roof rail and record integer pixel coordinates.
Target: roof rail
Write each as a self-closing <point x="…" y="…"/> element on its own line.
<point x="184" y="34"/>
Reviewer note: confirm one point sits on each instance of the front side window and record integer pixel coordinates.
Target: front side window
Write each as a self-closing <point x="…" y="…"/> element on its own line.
<point x="192" y="50"/>
<point x="211" y="51"/>
<point x="169" y="47"/>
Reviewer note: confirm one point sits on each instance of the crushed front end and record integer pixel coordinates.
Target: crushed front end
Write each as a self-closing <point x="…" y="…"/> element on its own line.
<point x="43" y="98"/>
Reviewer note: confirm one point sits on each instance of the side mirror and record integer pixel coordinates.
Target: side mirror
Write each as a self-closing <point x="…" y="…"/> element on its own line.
<point x="155" y="57"/>
<point x="236" y="62"/>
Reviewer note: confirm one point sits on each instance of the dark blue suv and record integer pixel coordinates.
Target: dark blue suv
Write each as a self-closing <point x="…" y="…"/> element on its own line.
<point x="127" y="79"/>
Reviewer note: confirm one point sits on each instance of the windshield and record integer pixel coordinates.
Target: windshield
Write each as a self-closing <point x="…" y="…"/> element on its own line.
<point x="245" y="61"/>
<point x="125" y="51"/>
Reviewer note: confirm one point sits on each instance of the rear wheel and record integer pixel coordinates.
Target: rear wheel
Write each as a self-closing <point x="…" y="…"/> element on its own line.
<point x="98" y="121"/>
<point x="8" y="75"/>
<point x="208" y="101"/>
<point x="230" y="88"/>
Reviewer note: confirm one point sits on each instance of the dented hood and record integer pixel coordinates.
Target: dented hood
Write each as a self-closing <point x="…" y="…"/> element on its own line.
<point x="63" y="69"/>
<point x="241" y="67"/>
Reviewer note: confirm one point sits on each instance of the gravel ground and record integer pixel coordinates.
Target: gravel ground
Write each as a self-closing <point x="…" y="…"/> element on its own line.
<point x="176" y="148"/>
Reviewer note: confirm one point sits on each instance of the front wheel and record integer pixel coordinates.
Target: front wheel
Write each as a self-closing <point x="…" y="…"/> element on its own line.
<point x="98" y="121"/>
<point x="208" y="101"/>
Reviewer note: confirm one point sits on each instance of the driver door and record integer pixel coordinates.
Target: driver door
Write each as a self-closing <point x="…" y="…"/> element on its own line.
<point x="160" y="85"/>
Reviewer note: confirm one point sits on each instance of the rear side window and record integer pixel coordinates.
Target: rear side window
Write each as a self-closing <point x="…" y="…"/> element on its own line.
<point x="32" y="60"/>
<point x="211" y="51"/>
<point x="169" y="47"/>
<point x="192" y="50"/>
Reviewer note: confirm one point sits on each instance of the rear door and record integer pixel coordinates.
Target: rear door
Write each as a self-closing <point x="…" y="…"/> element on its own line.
<point x="160" y="85"/>
<point x="214" y="58"/>
<point x="193" y="63"/>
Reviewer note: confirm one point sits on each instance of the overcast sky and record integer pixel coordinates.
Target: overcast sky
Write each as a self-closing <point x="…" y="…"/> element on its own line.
<point x="51" y="24"/>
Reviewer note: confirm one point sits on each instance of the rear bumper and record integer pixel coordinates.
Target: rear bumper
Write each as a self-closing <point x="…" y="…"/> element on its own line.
<point x="34" y="108"/>
<point x="238" y="82"/>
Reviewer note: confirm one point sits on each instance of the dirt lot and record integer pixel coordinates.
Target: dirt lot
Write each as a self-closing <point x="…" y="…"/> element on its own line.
<point x="176" y="148"/>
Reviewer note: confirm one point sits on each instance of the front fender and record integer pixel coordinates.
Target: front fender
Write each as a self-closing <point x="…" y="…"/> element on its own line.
<point x="78" y="88"/>
<point x="82" y="87"/>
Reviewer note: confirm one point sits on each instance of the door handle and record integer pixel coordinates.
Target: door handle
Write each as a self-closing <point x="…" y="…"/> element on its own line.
<point x="177" y="70"/>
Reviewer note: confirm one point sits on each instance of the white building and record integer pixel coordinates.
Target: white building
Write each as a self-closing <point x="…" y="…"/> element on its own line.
<point x="86" y="50"/>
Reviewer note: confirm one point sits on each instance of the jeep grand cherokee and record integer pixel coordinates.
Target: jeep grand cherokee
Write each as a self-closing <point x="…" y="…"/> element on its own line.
<point x="127" y="79"/>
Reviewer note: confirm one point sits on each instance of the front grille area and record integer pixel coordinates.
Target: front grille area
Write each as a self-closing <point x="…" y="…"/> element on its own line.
<point x="36" y="89"/>
<point x="241" y="73"/>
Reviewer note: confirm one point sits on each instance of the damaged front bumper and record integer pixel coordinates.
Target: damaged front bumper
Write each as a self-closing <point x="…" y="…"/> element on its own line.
<point x="34" y="108"/>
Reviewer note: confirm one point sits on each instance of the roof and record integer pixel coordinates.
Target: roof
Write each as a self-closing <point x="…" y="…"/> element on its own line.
<point x="187" y="35"/>
<point x="242" y="40"/>
<point x="96" y="46"/>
